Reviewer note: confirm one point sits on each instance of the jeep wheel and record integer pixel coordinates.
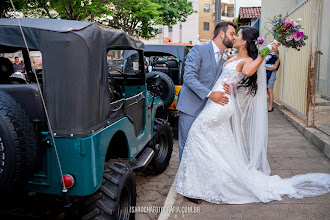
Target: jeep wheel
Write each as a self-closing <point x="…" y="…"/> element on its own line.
<point x="116" y="195"/>
<point x="167" y="88"/>
<point x="162" y="143"/>
<point x="18" y="146"/>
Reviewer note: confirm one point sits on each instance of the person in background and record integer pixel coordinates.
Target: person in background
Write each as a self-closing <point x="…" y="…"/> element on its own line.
<point x="18" y="67"/>
<point x="34" y="64"/>
<point x="272" y="66"/>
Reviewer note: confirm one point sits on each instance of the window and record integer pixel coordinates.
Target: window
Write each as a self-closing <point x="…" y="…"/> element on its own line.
<point x="123" y="61"/>
<point x="160" y="30"/>
<point x="206" y="26"/>
<point x="22" y="65"/>
<point x="206" y="8"/>
<point x="180" y="26"/>
<point x="170" y="29"/>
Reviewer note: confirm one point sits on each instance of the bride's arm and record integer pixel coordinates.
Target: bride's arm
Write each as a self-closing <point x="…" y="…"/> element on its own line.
<point x="251" y="66"/>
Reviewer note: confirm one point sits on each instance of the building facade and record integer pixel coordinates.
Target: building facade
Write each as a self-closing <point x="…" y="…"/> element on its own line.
<point x="199" y="26"/>
<point x="245" y="3"/>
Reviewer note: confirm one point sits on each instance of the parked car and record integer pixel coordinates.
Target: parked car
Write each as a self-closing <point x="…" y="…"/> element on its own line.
<point x="83" y="133"/>
<point x="167" y="61"/>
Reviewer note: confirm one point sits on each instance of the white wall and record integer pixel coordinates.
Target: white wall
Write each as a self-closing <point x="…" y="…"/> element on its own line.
<point x="270" y="8"/>
<point x="324" y="47"/>
<point x="189" y="30"/>
<point x="247" y="3"/>
<point x="190" y="27"/>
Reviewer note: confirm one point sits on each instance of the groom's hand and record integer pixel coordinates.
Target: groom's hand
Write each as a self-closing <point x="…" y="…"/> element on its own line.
<point x="219" y="97"/>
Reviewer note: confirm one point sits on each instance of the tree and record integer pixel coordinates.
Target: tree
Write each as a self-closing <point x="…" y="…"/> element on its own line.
<point x="138" y="17"/>
<point x="135" y="17"/>
<point x="174" y="11"/>
<point x="65" y="9"/>
<point x="5" y="7"/>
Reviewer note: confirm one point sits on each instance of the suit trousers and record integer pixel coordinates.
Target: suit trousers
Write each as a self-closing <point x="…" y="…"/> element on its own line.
<point x="185" y="122"/>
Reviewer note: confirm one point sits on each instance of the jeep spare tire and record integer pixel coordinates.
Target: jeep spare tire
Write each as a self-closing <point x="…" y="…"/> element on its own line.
<point x="18" y="146"/>
<point x="167" y="87"/>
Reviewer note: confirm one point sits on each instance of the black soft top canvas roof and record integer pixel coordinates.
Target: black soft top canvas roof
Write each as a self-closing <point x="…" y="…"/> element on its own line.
<point x="75" y="82"/>
<point x="159" y="50"/>
<point x="178" y="51"/>
<point x="34" y="27"/>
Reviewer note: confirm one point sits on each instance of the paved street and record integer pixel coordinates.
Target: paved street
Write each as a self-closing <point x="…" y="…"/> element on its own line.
<point x="153" y="190"/>
<point x="289" y="154"/>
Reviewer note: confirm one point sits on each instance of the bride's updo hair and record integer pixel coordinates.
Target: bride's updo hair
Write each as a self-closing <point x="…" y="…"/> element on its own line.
<point x="250" y="34"/>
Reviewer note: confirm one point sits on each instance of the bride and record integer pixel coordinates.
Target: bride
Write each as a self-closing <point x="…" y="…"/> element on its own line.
<point x="225" y="156"/>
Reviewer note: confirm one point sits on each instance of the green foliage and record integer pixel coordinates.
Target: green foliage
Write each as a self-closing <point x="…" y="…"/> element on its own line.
<point x="238" y="27"/>
<point x="136" y="17"/>
<point x="174" y="11"/>
<point x="5" y="6"/>
<point x="64" y="9"/>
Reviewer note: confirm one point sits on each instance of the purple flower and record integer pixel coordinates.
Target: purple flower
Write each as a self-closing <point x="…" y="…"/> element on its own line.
<point x="298" y="35"/>
<point x="260" y="39"/>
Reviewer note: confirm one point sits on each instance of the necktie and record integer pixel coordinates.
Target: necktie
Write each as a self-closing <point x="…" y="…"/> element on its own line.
<point x="219" y="57"/>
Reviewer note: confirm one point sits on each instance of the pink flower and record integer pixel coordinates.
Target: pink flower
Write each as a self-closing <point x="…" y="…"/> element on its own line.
<point x="284" y="21"/>
<point x="290" y="37"/>
<point x="260" y="39"/>
<point x="295" y="24"/>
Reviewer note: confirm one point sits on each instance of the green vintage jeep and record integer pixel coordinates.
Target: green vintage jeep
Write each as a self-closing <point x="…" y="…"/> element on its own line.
<point x="71" y="129"/>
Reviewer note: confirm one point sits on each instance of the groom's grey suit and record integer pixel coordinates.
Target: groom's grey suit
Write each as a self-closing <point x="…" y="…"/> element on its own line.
<point x="200" y="74"/>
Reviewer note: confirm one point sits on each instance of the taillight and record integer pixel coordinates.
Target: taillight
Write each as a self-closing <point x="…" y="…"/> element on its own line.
<point x="68" y="180"/>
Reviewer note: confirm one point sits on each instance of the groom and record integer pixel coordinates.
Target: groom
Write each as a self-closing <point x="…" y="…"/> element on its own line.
<point x="203" y="67"/>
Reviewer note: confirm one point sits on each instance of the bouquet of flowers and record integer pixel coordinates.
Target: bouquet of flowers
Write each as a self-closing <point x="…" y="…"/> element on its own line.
<point x="287" y="32"/>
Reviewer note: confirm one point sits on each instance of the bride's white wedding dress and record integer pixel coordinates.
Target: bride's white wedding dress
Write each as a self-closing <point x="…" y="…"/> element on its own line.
<point x="213" y="166"/>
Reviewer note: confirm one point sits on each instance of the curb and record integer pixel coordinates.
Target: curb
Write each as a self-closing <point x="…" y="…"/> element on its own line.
<point x="319" y="139"/>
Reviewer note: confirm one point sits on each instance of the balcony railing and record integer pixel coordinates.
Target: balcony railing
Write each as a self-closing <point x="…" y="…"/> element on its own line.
<point x="227" y="14"/>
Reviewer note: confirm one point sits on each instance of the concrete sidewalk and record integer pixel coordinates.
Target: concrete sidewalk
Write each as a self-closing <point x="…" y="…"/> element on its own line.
<point x="289" y="153"/>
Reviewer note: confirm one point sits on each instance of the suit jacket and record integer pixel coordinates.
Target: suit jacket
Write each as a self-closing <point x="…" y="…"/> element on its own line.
<point x="200" y="74"/>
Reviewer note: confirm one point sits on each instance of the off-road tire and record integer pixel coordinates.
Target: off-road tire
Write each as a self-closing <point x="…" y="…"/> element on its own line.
<point x="116" y="195"/>
<point x="19" y="147"/>
<point x="167" y="87"/>
<point x="162" y="143"/>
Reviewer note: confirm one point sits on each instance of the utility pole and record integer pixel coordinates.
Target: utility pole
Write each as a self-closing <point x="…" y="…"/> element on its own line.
<point x="217" y="11"/>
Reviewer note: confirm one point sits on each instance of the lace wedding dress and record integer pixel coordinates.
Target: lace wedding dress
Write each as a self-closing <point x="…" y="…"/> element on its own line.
<point x="219" y="166"/>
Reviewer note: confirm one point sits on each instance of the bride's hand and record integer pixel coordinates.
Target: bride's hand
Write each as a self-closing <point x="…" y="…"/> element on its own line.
<point x="219" y="97"/>
<point x="226" y="88"/>
<point x="274" y="46"/>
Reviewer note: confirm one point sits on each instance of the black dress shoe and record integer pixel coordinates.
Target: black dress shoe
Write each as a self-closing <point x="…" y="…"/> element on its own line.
<point x="271" y="110"/>
<point x="197" y="201"/>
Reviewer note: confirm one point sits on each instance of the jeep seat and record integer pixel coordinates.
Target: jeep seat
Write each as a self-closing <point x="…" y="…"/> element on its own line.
<point x="174" y="70"/>
<point x="6" y="68"/>
<point x="160" y="66"/>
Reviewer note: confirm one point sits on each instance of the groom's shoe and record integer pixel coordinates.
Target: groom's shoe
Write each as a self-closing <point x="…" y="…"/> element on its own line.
<point x="197" y="201"/>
